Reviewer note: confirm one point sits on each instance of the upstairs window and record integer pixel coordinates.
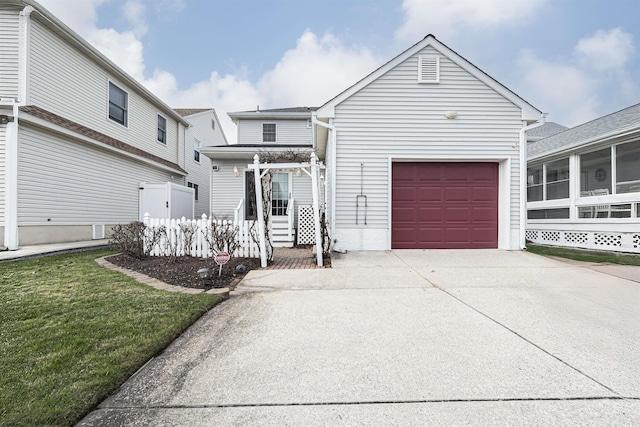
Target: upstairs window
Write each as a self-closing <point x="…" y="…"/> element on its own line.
<point x="162" y="129"/>
<point x="428" y="69"/>
<point x="118" y="104"/>
<point x="268" y="132"/>
<point x="196" y="150"/>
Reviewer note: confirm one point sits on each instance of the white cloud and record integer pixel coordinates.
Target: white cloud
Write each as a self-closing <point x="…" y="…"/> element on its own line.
<point x="134" y="11"/>
<point x="606" y="49"/>
<point x="565" y="90"/>
<point x="445" y="18"/>
<point x="316" y="70"/>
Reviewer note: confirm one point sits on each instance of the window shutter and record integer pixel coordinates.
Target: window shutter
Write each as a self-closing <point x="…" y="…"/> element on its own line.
<point x="429" y="69"/>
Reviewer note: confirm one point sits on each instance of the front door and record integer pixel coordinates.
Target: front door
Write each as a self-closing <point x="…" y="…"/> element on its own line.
<point x="280" y="193"/>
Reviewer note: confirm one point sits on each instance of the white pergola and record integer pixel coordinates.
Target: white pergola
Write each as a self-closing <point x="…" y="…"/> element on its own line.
<point x="310" y="168"/>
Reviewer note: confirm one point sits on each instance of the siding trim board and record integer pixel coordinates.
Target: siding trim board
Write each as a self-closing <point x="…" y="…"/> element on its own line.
<point x="92" y="134"/>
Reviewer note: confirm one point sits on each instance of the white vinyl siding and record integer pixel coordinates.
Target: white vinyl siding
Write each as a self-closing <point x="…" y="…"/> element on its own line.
<point x="3" y="142"/>
<point x="396" y="116"/>
<point x="9" y="53"/>
<point x="200" y="173"/>
<point x="56" y="67"/>
<point x="287" y="132"/>
<point x="227" y="189"/>
<point x="67" y="182"/>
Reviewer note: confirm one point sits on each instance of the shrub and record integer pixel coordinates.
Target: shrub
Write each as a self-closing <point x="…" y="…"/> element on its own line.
<point x="130" y="239"/>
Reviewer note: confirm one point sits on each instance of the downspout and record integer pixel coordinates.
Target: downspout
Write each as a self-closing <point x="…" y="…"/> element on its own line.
<point x="523" y="176"/>
<point x="332" y="129"/>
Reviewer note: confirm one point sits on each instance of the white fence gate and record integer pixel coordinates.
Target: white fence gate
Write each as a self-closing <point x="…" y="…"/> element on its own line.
<point x="174" y="240"/>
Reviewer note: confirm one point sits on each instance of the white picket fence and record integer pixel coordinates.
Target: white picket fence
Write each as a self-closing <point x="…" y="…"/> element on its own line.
<point x="174" y="242"/>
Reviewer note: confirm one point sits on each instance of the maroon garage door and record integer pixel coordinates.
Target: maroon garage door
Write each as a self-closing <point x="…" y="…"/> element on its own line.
<point x="444" y="205"/>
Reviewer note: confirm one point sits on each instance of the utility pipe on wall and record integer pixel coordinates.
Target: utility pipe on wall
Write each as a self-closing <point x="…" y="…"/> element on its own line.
<point x="523" y="175"/>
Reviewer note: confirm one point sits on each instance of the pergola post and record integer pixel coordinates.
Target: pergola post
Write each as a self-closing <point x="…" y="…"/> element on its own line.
<point x="260" y="212"/>
<point x="316" y="206"/>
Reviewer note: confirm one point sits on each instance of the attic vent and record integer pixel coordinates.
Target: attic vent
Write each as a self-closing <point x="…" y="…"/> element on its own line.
<point x="428" y="69"/>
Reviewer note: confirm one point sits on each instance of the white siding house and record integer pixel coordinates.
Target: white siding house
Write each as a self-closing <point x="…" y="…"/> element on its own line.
<point x="78" y="135"/>
<point x="583" y="185"/>
<point x="425" y="152"/>
<point x="204" y="131"/>
<point x="275" y="131"/>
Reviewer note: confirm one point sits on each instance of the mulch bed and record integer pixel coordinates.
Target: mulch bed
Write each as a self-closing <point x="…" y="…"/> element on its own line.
<point x="182" y="271"/>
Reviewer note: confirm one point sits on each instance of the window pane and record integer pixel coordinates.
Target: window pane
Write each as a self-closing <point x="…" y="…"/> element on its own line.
<point x="595" y="173"/>
<point x="534" y="184"/>
<point x="628" y="167"/>
<point x="269" y="132"/>
<point x="605" y="211"/>
<point x="117" y="104"/>
<point x="558" y="179"/>
<point x="196" y="150"/>
<point x="558" y="213"/>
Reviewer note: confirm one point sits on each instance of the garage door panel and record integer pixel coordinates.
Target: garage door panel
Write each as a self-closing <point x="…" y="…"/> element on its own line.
<point x="457" y="194"/>
<point x="457" y="214"/>
<point x="428" y="215"/>
<point x="454" y="205"/>
<point x="404" y="194"/>
<point x="429" y="194"/>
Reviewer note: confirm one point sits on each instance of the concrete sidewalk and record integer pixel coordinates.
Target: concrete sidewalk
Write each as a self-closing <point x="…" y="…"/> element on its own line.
<point x="402" y="338"/>
<point x="50" y="249"/>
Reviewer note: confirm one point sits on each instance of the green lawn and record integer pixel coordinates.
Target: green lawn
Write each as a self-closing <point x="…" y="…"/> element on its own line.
<point x="584" y="255"/>
<point x="71" y="332"/>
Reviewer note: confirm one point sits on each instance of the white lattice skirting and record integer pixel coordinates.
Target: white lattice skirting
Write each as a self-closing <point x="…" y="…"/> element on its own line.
<point x="608" y="241"/>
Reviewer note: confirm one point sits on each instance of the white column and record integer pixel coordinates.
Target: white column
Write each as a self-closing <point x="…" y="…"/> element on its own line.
<point x="11" y="237"/>
<point x="260" y="212"/>
<point x="316" y="207"/>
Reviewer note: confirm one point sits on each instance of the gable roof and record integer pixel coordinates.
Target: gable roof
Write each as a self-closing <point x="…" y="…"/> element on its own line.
<point x="529" y="112"/>
<point x="613" y="124"/>
<point x="191" y="111"/>
<point x="274" y="113"/>
<point x="546" y="130"/>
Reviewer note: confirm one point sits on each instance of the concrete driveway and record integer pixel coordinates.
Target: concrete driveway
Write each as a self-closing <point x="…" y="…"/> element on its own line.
<point x="402" y="338"/>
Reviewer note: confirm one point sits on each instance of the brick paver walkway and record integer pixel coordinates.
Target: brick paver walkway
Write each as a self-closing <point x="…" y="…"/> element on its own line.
<point x="292" y="258"/>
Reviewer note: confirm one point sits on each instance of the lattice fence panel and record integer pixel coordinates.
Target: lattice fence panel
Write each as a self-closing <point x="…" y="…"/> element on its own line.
<point x="306" y="230"/>
<point x="636" y="241"/>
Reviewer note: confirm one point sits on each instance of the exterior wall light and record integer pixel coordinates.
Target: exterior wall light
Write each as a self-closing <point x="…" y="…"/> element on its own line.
<point x="451" y="114"/>
<point x="236" y="172"/>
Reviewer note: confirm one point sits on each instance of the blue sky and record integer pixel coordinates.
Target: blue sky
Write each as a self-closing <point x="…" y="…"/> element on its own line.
<point x="574" y="59"/>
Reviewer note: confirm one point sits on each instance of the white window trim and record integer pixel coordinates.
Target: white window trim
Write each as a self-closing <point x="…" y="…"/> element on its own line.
<point x="276" y="132"/>
<point x="109" y="119"/>
<point x="423" y="58"/>
<point x="166" y="133"/>
<point x="198" y="150"/>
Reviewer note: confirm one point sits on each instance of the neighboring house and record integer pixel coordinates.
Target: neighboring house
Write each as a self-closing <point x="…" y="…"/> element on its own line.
<point x="583" y="185"/>
<point x="425" y="152"/>
<point x="544" y="131"/>
<point x="278" y="131"/>
<point x="204" y="131"/>
<point x="78" y="136"/>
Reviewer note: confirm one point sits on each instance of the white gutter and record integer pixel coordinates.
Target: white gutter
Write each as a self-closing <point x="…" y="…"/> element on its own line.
<point x="523" y="176"/>
<point x="332" y="128"/>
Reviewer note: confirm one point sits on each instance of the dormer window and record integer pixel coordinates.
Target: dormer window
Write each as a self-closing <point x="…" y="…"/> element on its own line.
<point x="428" y="69"/>
<point x="268" y="132"/>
